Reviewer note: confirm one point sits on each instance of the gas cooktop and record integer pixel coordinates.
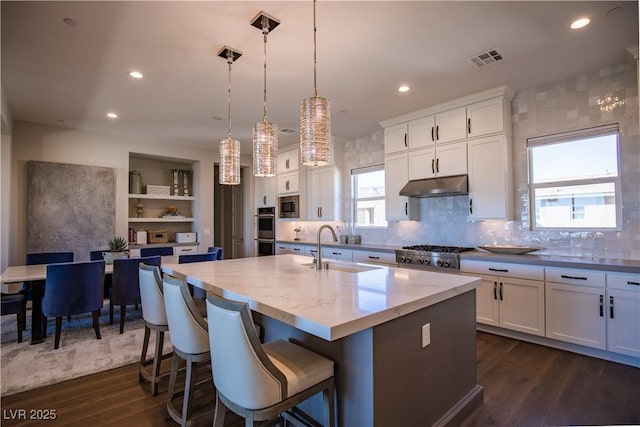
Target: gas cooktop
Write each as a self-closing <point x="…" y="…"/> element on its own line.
<point x="430" y="256"/>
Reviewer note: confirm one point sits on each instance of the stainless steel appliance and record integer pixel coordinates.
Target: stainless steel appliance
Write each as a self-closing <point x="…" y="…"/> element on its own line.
<point x="266" y="231"/>
<point x="430" y="257"/>
<point x="289" y="206"/>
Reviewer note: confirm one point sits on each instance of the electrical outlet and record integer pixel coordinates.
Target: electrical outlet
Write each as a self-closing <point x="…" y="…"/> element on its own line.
<point x="426" y="335"/>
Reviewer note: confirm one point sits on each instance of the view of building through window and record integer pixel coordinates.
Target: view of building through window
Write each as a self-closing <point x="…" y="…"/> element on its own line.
<point x="368" y="197"/>
<point x="575" y="180"/>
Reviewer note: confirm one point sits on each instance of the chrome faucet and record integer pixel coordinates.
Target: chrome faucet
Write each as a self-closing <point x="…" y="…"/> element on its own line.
<point x="319" y="246"/>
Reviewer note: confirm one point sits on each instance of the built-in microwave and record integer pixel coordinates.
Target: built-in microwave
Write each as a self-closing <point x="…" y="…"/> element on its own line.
<point x="289" y="206"/>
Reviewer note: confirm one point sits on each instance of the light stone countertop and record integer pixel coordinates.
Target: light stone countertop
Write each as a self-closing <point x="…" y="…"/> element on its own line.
<point x="330" y="304"/>
<point x="356" y="247"/>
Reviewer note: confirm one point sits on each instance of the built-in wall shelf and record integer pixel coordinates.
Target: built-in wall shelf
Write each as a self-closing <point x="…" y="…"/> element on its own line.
<point x="161" y="220"/>
<point x="160" y="197"/>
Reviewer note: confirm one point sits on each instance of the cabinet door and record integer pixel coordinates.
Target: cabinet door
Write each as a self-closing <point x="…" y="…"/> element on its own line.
<point x="338" y="254"/>
<point x="288" y="183"/>
<point x="575" y="314"/>
<point x="265" y="192"/>
<point x="522" y="305"/>
<point x="623" y="322"/>
<point x="283" y="248"/>
<point x="422" y="133"/>
<point x="288" y="161"/>
<point x="490" y="180"/>
<point x="297" y="249"/>
<point x="451" y="159"/>
<point x="485" y="118"/>
<point x="375" y="257"/>
<point x="395" y="139"/>
<point x="422" y="163"/>
<point x="451" y="125"/>
<point x="330" y="192"/>
<point x="487" y="301"/>
<point x="396" y="176"/>
<point x="314" y="186"/>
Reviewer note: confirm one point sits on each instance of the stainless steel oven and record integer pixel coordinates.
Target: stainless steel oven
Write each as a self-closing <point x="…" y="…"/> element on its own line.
<point x="266" y="231"/>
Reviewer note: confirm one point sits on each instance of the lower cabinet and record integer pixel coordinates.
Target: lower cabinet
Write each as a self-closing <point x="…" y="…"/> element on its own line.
<point x="375" y="257"/>
<point x="183" y="250"/>
<point x="338" y="254"/>
<point x="511" y="303"/>
<point x="283" y="248"/>
<point x="623" y="313"/>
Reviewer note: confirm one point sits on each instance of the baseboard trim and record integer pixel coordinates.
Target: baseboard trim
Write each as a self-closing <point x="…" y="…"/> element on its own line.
<point x="461" y="410"/>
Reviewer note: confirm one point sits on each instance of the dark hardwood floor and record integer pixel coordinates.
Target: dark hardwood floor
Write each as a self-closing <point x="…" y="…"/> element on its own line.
<point x="524" y="385"/>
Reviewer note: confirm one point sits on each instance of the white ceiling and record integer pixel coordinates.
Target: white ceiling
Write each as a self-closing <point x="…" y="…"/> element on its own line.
<point x="70" y="76"/>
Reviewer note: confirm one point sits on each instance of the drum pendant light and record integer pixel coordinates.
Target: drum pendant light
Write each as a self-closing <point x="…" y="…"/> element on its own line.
<point x="229" y="148"/>
<point x="265" y="134"/>
<point x="315" y="120"/>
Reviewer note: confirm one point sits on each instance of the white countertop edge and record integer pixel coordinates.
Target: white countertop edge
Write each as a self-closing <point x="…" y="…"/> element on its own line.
<point x="328" y="332"/>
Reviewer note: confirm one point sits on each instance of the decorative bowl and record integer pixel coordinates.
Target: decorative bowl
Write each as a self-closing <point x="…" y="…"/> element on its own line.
<point x="509" y="249"/>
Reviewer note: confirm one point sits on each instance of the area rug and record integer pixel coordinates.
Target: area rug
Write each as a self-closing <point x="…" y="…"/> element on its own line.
<point x="26" y="366"/>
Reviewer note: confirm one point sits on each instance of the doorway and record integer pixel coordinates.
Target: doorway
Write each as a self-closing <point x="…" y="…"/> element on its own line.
<point x="228" y="224"/>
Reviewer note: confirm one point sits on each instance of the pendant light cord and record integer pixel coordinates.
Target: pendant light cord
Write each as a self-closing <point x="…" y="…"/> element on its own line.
<point x="229" y="61"/>
<point x="265" y="32"/>
<point x="315" y="78"/>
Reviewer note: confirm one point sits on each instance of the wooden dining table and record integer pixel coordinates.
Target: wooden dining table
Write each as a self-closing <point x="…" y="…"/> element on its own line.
<point x="35" y="276"/>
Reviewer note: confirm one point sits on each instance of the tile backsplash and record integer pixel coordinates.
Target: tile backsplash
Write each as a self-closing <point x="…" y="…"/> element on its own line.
<point x="574" y="103"/>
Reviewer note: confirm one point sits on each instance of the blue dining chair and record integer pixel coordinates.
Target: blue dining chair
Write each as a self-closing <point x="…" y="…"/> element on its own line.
<point x="73" y="288"/>
<point x="125" y="284"/>
<point x="15" y="304"/>
<point x="198" y="294"/>
<point x="34" y="290"/>
<point x="156" y="250"/>
<point x="216" y="250"/>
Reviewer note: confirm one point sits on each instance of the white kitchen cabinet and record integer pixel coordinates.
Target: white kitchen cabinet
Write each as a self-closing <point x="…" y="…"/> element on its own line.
<point x="288" y="183"/>
<point x="422" y="133"/>
<point x="395" y="139"/>
<point x="265" y="192"/>
<point x="575" y="306"/>
<point x="297" y="249"/>
<point x="488" y="117"/>
<point x="451" y="125"/>
<point x="441" y="160"/>
<point x="623" y="313"/>
<point x="510" y="297"/>
<point x="396" y="176"/>
<point x="375" y="257"/>
<point x="490" y="178"/>
<point x="338" y="254"/>
<point x="288" y="161"/>
<point x="283" y="248"/>
<point x="324" y="194"/>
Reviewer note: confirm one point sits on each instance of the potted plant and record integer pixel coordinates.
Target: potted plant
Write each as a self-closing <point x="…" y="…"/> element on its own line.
<point x="117" y="249"/>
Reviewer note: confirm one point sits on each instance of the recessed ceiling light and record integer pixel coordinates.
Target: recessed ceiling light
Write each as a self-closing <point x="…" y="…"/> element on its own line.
<point x="580" y="23"/>
<point x="136" y="74"/>
<point x="112" y="115"/>
<point x="403" y="88"/>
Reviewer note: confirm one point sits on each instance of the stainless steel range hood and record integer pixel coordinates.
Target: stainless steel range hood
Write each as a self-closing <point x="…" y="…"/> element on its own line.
<point x="432" y="187"/>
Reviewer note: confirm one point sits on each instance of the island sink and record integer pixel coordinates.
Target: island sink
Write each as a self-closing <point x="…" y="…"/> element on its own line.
<point x="350" y="268"/>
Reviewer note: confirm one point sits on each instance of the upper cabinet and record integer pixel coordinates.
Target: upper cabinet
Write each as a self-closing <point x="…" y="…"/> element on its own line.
<point x="288" y="161"/>
<point x="398" y="207"/>
<point x="470" y="135"/>
<point x="265" y="192"/>
<point x="324" y="194"/>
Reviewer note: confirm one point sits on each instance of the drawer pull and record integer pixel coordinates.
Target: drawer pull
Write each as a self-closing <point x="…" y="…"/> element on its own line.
<point x="374" y="257"/>
<point x="336" y="253"/>
<point x="297" y="249"/>
<point x="498" y="269"/>
<point x="629" y="282"/>
<point x="501" y="298"/>
<point x="573" y="277"/>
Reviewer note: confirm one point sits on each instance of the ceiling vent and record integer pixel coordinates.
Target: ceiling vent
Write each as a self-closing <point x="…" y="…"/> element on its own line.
<point x="482" y="59"/>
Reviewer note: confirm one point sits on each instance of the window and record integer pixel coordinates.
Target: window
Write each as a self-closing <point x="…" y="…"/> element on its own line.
<point x="367" y="197"/>
<point x="575" y="180"/>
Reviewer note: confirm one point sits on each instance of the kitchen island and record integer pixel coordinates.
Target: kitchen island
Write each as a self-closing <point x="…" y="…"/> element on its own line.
<point x="369" y="320"/>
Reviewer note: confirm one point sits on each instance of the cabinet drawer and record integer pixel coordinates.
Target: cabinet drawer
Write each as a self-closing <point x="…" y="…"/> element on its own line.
<point x="504" y="269"/>
<point x="298" y="249"/>
<point x="624" y="281"/>
<point x="181" y="250"/>
<point x="283" y="248"/>
<point x="375" y="257"/>
<point x="573" y="276"/>
<point x="337" y="254"/>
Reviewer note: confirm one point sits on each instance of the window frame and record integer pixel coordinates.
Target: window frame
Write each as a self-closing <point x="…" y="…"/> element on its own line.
<point x="354" y="199"/>
<point x="572" y="136"/>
